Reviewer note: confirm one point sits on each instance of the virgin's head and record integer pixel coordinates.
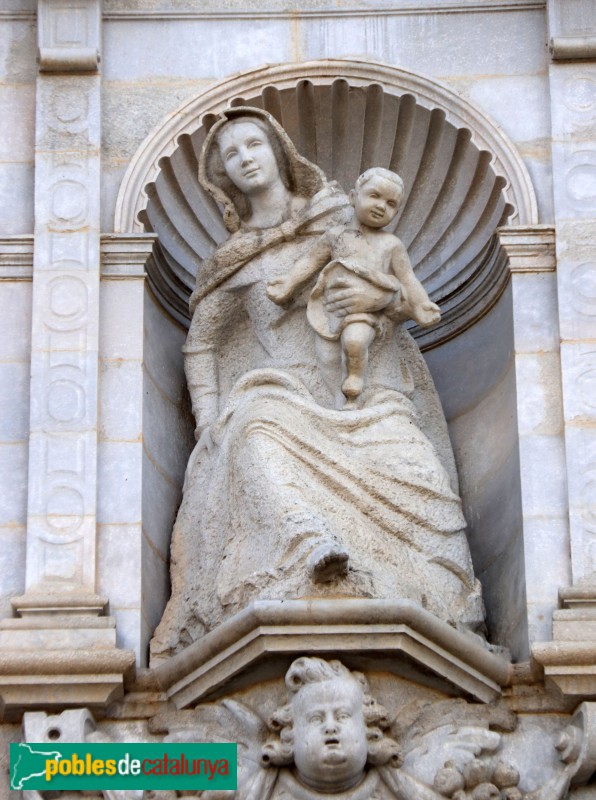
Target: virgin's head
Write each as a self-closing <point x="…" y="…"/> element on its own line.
<point x="247" y="152"/>
<point x="247" y="155"/>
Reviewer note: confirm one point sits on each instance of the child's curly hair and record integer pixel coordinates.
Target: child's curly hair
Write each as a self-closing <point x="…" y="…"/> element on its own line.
<point x="279" y="750"/>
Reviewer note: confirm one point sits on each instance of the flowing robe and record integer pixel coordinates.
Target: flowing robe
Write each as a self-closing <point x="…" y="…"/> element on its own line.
<point x="288" y="471"/>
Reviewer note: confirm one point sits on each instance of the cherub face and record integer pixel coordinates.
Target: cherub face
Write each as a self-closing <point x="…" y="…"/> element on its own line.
<point x="330" y="746"/>
<point x="376" y="201"/>
<point x="248" y="157"/>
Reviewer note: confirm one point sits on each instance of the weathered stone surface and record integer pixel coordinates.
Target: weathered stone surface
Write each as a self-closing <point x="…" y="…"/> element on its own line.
<point x="268" y="512"/>
<point x="506" y="382"/>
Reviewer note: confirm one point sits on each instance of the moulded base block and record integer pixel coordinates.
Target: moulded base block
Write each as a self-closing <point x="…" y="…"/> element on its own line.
<point x="57" y="679"/>
<point x="58" y="652"/>
<point x="569" y="661"/>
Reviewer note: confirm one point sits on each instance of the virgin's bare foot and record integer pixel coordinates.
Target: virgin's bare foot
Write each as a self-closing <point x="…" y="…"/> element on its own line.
<point x="327" y="562"/>
<point x="352" y="387"/>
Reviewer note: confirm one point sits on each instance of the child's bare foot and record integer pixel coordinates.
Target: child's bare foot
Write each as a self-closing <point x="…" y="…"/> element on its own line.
<point x="327" y="562"/>
<point x="352" y="386"/>
<point x="280" y="289"/>
<point x="428" y="314"/>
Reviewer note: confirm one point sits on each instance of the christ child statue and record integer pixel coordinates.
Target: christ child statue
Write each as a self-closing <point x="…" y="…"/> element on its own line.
<point x="363" y="256"/>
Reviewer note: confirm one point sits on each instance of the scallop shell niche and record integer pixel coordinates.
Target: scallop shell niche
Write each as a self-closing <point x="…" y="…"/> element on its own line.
<point x="463" y="178"/>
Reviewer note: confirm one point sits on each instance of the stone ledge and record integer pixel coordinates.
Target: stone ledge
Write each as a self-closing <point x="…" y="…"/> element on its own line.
<point x="58" y="634"/>
<point x="569" y="662"/>
<point x="48" y="603"/>
<point x="125" y="255"/>
<point x="582" y="595"/>
<point x="570" y="666"/>
<point x="55" y="679"/>
<point x="529" y="248"/>
<point x="122" y="256"/>
<point x="393" y="635"/>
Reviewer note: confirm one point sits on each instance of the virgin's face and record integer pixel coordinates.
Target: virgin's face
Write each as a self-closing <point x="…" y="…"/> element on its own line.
<point x="248" y="159"/>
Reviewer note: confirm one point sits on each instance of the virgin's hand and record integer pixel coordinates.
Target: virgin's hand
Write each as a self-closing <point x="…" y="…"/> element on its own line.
<point x="203" y="446"/>
<point x="344" y="298"/>
<point x="205" y="441"/>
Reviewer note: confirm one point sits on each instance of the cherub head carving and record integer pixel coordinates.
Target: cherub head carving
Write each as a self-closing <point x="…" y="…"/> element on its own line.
<point x="330" y="728"/>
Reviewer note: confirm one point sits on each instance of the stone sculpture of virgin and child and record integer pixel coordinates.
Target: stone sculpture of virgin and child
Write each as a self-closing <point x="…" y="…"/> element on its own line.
<point x="292" y="492"/>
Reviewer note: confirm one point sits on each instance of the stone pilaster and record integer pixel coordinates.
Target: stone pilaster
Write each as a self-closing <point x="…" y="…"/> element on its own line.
<point x="64" y="360"/>
<point x="570" y="660"/>
<point x="530" y="254"/>
<point x="60" y="644"/>
<point x="573" y="108"/>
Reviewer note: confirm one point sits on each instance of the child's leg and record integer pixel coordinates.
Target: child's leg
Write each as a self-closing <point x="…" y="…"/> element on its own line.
<point x="356" y="338"/>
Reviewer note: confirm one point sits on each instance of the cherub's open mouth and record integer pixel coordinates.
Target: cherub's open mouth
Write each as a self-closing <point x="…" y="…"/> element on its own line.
<point x="331" y="740"/>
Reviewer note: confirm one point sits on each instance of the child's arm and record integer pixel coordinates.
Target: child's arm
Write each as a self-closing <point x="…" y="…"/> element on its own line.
<point x="282" y="289"/>
<point x="415" y="303"/>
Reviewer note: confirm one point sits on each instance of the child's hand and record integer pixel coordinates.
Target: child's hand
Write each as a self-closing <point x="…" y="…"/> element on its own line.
<point x="280" y="290"/>
<point x="428" y="314"/>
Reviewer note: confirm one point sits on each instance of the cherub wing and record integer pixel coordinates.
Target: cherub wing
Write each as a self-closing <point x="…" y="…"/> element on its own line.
<point x="232" y="721"/>
<point x="459" y="744"/>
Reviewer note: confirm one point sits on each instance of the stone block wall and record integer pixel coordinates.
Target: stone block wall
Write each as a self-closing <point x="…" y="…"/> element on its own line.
<point x="156" y="55"/>
<point x="516" y="386"/>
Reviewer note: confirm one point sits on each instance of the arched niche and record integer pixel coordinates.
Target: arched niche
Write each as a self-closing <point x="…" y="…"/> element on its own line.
<point x="463" y="178"/>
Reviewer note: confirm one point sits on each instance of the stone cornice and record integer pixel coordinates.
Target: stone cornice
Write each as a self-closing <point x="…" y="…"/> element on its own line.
<point x="413" y="7"/>
<point x="17" y="16"/>
<point x="16" y="258"/>
<point x="529" y="248"/>
<point x="125" y="256"/>
<point x="358" y="9"/>
<point x="122" y="256"/>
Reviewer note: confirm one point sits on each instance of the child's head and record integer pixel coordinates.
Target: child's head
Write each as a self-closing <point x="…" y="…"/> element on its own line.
<point x="376" y="197"/>
<point x="323" y="695"/>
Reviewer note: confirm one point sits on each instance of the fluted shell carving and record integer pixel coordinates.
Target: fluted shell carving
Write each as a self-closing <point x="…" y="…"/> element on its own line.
<point x="454" y="196"/>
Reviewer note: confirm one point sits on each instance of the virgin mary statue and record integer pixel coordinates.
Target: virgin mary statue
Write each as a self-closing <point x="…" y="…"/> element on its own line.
<point x="285" y="495"/>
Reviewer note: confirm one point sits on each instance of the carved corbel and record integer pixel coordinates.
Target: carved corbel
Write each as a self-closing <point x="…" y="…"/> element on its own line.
<point x="572" y="29"/>
<point x="69" y="34"/>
